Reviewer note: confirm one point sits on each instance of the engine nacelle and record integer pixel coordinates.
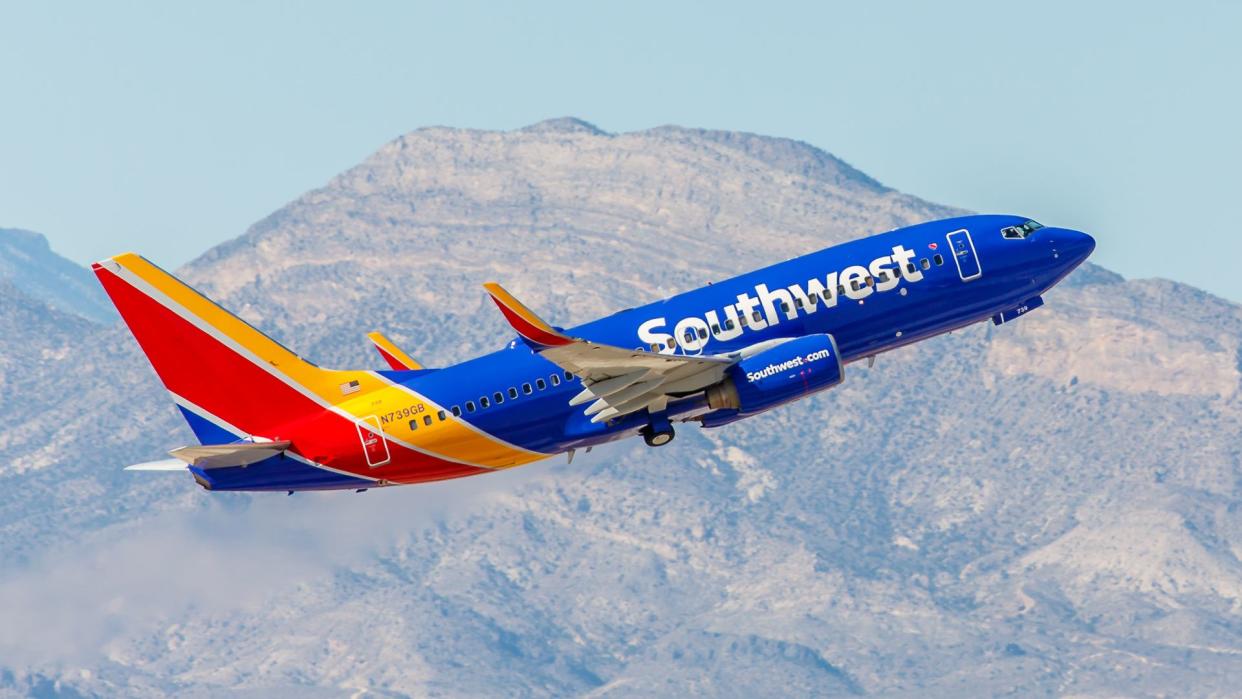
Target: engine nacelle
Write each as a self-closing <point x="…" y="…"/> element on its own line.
<point x="790" y="370"/>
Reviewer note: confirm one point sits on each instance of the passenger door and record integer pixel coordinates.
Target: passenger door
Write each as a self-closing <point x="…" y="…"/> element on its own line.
<point x="964" y="255"/>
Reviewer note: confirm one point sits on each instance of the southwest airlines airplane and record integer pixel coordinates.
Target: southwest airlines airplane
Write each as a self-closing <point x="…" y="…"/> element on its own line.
<point x="267" y="419"/>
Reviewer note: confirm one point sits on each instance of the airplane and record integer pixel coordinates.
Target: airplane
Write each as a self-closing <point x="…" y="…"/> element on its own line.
<point x="267" y="419"/>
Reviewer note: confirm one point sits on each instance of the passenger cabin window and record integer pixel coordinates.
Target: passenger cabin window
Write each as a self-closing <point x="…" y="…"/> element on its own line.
<point x="414" y="424"/>
<point x="757" y="316"/>
<point x="702" y="333"/>
<point x="484" y="403"/>
<point x="427" y="420"/>
<point x="512" y="392"/>
<point x="556" y="379"/>
<point x="470" y="406"/>
<point x="526" y="389"/>
<point x="924" y="263"/>
<point x="540" y="384"/>
<point x="939" y="259"/>
<point x="456" y="411"/>
<point x="442" y="416"/>
<point x="498" y="397"/>
<point x="570" y="377"/>
<point x="910" y="268"/>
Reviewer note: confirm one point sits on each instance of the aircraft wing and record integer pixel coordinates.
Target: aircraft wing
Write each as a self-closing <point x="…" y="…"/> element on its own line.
<point x="616" y="381"/>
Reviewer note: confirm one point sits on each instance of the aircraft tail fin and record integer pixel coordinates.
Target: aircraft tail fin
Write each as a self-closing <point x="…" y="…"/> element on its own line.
<point x="230" y="381"/>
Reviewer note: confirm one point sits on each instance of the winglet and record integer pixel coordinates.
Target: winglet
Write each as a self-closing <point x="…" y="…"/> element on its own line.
<point x="397" y="359"/>
<point x="530" y="326"/>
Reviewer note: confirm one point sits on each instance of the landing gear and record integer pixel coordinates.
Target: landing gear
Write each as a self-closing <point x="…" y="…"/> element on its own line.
<point x="658" y="436"/>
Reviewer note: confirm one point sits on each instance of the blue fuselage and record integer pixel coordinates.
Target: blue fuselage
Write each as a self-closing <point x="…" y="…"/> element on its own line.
<point x="872" y="295"/>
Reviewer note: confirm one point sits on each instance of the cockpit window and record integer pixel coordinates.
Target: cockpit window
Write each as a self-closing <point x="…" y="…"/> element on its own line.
<point x="1022" y="231"/>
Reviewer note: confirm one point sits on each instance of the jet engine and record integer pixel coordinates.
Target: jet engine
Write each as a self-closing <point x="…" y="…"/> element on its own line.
<point x="782" y="373"/>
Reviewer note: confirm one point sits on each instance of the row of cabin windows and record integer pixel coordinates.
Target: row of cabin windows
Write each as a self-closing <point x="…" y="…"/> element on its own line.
<point x="812" y="299"/>
<point x="496" y="398"/>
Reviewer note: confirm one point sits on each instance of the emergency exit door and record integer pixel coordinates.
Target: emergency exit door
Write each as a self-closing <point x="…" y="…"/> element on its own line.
<point x="374" y="446"/>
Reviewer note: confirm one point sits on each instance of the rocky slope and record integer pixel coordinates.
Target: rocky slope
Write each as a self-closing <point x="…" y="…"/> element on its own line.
<point x="1046" y="507"/>
<point x="28" y="263"/>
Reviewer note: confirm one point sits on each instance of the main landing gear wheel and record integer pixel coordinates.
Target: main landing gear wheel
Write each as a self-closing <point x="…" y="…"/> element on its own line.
<point x="658" y="438"/>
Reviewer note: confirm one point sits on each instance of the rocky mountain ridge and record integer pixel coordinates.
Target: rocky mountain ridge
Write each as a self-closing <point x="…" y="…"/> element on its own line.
<point x="28" y="263"/>
<point x="1049" y="506"/>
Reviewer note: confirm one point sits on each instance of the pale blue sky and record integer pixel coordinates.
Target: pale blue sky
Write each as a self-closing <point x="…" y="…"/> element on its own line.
<point x="168" y="127"/>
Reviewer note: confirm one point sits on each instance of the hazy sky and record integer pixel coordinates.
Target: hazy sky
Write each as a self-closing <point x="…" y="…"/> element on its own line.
<point x="168" y="127"/>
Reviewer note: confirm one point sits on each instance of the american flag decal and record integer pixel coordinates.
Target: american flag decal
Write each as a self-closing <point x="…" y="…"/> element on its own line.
<point x="351" y="387"/>
<point x="931" y="246"/>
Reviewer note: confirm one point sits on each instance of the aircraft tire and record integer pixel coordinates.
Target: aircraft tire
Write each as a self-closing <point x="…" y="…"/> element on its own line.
<point x="655" y="438"/>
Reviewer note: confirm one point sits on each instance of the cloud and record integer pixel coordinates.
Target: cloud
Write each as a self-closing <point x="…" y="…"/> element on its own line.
<point x="79" y="604"/>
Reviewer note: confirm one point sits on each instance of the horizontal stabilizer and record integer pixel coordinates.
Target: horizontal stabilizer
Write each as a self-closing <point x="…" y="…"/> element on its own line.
<point x="225" y="455"/>
<point x="164" y="465"/>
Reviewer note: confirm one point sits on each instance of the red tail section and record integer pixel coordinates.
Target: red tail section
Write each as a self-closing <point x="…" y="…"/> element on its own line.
<point x="211" y="361"/>
<point x="222" y="371"/>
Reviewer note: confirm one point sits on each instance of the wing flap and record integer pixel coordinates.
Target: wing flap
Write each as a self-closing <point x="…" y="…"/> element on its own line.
<point x="616" y="381"/>
<point x="599" y="389"/>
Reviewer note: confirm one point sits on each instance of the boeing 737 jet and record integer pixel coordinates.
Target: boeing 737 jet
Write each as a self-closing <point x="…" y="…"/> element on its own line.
<point x="267" y="419"/>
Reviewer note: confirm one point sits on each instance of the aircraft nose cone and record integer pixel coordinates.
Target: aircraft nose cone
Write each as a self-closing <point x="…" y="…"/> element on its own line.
<point x="1078" y="245"/>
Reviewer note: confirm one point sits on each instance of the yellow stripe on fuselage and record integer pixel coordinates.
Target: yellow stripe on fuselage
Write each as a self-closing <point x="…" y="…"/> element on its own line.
<point x="356" y="393"/>
<point x="397" y="406"/>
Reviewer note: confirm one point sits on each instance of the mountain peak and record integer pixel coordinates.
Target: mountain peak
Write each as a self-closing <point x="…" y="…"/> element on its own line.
<point x="565" y="125"/>
<point x="30" y="265"/>
<point x="787" y="154"/>
<point x="22" y="239"/>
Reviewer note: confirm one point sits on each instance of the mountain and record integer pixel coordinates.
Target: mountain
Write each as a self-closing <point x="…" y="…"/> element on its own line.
<point x="1045" y="507"/>
<point x="28" y="263"/>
